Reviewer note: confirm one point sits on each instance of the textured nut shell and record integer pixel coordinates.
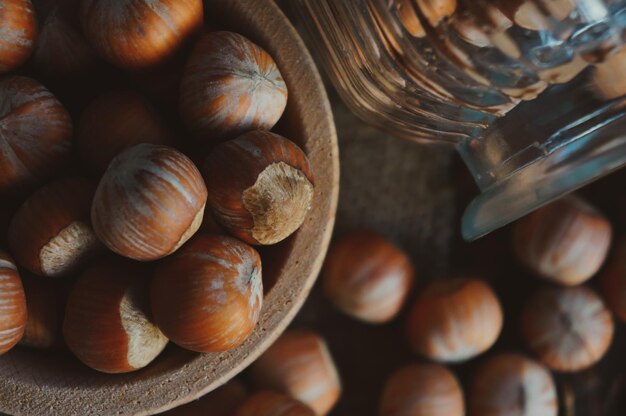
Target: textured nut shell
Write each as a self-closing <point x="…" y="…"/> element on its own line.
<point x="367" y="277"/>
<point x="511" y="384"/>
<point x="565" y="242"/>
<point x="260" y="186"/>
<point x="114" y="122"/>
<point x="455" y="319"/>
<point x="569" y="329"/>
<point x="299" y="365"/>
<point x="50" y="234"/>
<point x="13" y="301"/>
<point x="107" y="323"/>
<point x="208" y="296"/>
<point x="149" y="202"/>
<point x="613" y="281"/>
<point x="422" y="390"/>
<point x="112" y="27"/>
<point x="269" y="403"/>
<point x="230" y="86"/>
<point x="222" y="401"/>
<point x="18" y="28"/>
<point x="35" y="133"/>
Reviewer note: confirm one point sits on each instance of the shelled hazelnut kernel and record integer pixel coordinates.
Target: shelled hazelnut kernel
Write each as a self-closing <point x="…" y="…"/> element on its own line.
<point x="112" y="27"/>
<point x="50" y="234"/>
<point x="367" y="276"/>
<point x="230" y="86"/>
<point x="565" y="242"/>
<point x="613" y="280"/>
<point x="260" y="186"/>
<point x="107" y="322"/>
<point x="511" y="384"/>
<point x="222" y="401"/>
<point x="269" y="403"/>
<point x="149" y="202"/>
<point x="19" y="29"/>
<point x="114" y="122"/>
<point x="569" y="329"/>
<point x="455" y="319"/>
<point x="14" y="312"/>
<point x="35" y="131"/>
<point x="422" y="390"/>
<point x="299" y="365"/>
<point x="207" y="297"/>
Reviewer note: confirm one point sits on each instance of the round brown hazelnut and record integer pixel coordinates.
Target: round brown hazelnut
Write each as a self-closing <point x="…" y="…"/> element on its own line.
<point x="613" y="280"/>
<point x="222" y="401"/>
<point x="207" y="297"/>
<point x="114" y="122"/>
<point x="367" y="277"/>
<point x="269" y="403"/>
<point x="565" y="242"/>
<point x="422" y="390"/>
<point x="437" y="10"/>
<point x="18" y="29"/>
<point x="35" y="133"/>
<point x="136" y="34"/>
<point x="149" y="202"/>
<point x="260" y="187"/>
<point x="569" y="329"/>
<point x="14" y="312"/>
<point x="50" y="234"/>
<point x="408" y="18"/>
<point x="229" y="87"/>
<point x="454" y="320"/>
<point x="107" y="322"/>
<point x="511" y="384"/>
<point x="299" y="365"/>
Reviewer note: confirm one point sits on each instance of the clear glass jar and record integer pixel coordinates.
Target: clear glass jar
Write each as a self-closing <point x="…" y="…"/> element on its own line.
<point x="531" y="92"/>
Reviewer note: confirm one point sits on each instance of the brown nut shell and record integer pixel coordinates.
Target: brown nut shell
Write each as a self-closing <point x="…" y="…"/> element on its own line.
<point x="229" y="87"/>
<point x="18" y="29"/>
<point x="260" y="186"/>
<point x="269" y="403"/>
<point x="14" y="312"/>
<point x="207" y="297"/>
<point x="149" y="202"/>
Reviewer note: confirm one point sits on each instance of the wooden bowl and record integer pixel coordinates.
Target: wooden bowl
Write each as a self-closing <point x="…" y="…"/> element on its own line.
<point x="36" y="383"/>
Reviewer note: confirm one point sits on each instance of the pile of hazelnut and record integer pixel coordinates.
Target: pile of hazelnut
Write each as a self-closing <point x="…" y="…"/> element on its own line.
<point x="132" y="245"/>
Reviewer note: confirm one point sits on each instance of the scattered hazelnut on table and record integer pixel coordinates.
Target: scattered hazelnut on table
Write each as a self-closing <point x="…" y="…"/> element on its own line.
<point x="107" y="323"/>
<point x="149" y="202"/>
<point x="51" y="233"/>
<point x="269" y="403"/>
<point x="565" y="242"/>
<point x="14" y="311"/>
<point x="260" y="186"/>
<point x="299" y="365"/>
<point x="229" y="87"/>
<point x="422" y="390"/>
<point x="568" y="329"/>
<point x="511" y="384"/>
<point x="367" y="277"/>
<point x="455" y="319"/>
<point x="19" y="29"/>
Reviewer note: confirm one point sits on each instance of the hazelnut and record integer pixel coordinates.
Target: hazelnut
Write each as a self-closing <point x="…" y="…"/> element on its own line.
<point x="367" y="277"/>
<point x="299" y="365"/>
<point x="613" y="280"/>
<point x="136" y="34"/>
<point x="565" y="242"/>
<point x="511" y="384"/>
<point x="569" y="329"/>
<point x="107" y="323"/>
<point x="46" y="306"/>
<point x="230" y="86"/>
<point x="437" y="10"/>
<point x="18" y="28"/>
<point x="114" y="122"/>
<point x="35" y="133"/>
<point x="530" y="15"/>
<point x="50" y="234"/>
<point x="422" y="390"/>
<point x="149" y="202"/>
<point x="260" y="187"/>
<point x="222" y="401"/>
<point x="269" y="403"/>
<point x="408" y="18"/>
<point x="13" y="301"/>
<point x="208" y="296"/>
<point x="454" y="320"/>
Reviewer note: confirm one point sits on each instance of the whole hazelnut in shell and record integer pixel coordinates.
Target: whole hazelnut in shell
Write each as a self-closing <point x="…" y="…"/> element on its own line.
<point x="269" y="403"/>
<point x="260" y="187"/>
<point x="230" y="86"/>
<point x="18" y="29"/>
<point x="13" y="301"/>
<point x="149" y="202"/>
